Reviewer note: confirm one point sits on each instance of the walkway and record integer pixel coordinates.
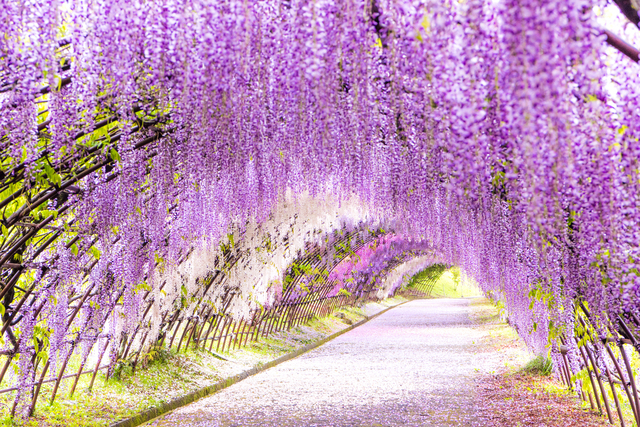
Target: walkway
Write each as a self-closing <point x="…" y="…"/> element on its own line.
<point x="411" y="366"/>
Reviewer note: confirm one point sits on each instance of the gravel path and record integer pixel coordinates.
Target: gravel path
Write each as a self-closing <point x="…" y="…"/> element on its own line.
<point x="414" y="365"/>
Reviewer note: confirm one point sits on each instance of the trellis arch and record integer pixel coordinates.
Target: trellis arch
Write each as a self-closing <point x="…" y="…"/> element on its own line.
<point x="141" y="137"/>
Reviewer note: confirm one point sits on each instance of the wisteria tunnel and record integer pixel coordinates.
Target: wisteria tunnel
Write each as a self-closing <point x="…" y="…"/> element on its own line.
<point x="180" y="174"/>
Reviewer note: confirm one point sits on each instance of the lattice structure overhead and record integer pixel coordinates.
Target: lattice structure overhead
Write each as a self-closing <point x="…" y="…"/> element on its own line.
<point x="176" y="167"/>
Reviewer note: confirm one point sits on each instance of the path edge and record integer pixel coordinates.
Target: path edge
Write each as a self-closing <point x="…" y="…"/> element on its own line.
<point x="174" y="404"/>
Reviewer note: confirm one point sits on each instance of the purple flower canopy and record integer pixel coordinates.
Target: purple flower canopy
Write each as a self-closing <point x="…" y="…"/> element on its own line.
<point x="140" y="136"/>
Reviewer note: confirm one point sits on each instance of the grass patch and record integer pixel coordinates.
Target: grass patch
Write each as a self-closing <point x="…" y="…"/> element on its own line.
<point x="541" y="365"/>
<point x="451" y="284"/>
<point x="126" y="393"/>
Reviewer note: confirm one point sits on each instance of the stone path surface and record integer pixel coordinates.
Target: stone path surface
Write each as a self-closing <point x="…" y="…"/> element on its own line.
<point x="412" y="366"/>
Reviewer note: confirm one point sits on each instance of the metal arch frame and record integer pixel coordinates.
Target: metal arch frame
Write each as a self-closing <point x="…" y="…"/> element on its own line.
<point x="597" y="358"/>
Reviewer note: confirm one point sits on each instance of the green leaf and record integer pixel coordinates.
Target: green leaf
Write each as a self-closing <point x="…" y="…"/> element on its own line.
<point x="142" y="286"/>
<point x="52" y="174"/>
<point x="95" y="252"/>
<point x="74" y="249"/>
<point x="114" y="155"/>
<point x="46" y="212"/>
<point x="2" y="309"/>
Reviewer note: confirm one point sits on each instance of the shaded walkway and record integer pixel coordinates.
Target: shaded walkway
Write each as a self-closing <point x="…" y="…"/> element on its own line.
<point x="413" y="365"/>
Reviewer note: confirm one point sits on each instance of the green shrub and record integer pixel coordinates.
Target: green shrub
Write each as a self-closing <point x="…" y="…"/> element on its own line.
<point x="541" y="365"/>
